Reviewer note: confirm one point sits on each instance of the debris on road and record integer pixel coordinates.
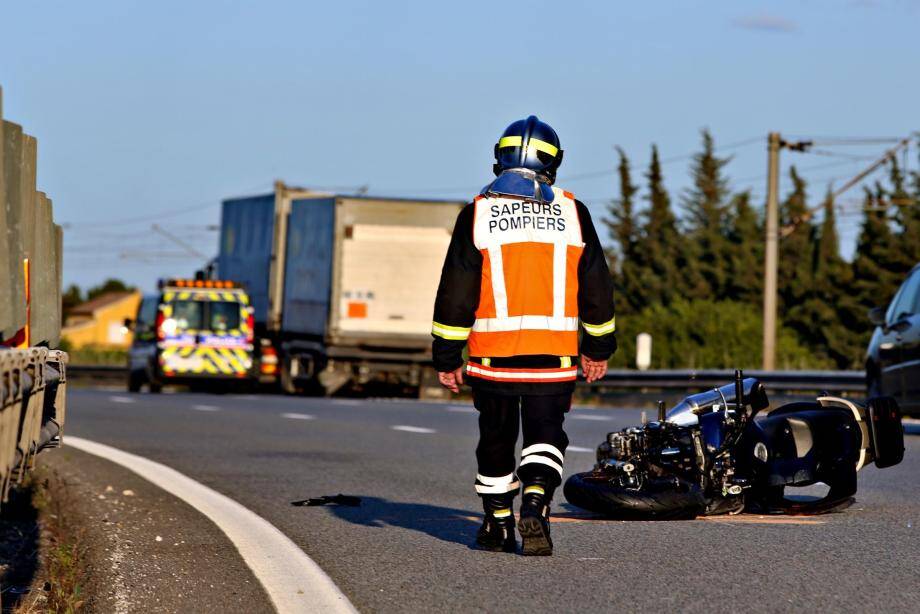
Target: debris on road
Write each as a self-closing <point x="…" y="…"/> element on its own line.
<point x="339" y="499"/>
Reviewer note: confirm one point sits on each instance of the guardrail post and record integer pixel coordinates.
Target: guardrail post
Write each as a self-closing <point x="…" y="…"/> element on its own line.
<point x="13" y="283"/>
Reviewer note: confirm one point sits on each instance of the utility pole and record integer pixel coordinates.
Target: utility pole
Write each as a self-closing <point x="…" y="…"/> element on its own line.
<point x="771" y="253"/>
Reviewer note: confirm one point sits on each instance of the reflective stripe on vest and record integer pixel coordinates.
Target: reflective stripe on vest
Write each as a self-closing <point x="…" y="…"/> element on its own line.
<point x="529" y="294"/>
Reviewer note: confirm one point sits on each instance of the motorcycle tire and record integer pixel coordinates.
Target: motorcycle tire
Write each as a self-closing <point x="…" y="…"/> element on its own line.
<point x="661" y="501"/>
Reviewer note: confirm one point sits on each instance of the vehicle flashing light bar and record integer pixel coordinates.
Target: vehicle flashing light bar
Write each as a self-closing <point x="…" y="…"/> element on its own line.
<point x="200" y="283"/>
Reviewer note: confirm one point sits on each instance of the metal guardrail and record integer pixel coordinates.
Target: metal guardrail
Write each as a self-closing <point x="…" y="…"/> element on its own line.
<point x="33" y="385"/>
<point x="628" y="379"/>
<point x="100" y="373"/>
<point x="685" y="379"/>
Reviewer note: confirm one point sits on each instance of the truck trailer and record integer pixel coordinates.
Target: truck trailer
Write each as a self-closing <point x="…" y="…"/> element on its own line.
<point x="342" y="286"/>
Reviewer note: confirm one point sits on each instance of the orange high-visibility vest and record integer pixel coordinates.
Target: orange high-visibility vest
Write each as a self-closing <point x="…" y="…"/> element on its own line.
<point x="528" y="302"/>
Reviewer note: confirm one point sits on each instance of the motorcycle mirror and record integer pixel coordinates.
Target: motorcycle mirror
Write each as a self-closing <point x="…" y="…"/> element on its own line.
<point x="877" y="316"/>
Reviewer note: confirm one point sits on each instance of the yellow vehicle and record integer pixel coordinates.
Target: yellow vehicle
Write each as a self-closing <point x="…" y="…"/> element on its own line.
<point x="191" y="332"/>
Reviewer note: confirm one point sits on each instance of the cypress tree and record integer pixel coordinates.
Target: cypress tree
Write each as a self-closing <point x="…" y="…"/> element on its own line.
<point x="745" y="239"/>
<point x="661" y="248"/>
<point x="907" y="215"/>
<point x="796" y="258"/>
<point x="796" y="249"/>
<point x="622" y="228"/>
<point x="705" y="206"/>
<point x="837" y="321"/>
<point x="876" y="274"/>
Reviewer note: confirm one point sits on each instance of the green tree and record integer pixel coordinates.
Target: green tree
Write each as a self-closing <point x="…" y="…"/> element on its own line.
<point x="109" y="285"/>
<point x="836" y="320"/>
<point x="796" y="257"/>
<point x="907" y="215"/>
<point x="622" y="228"/>
<point x="744" y="281"/>
<point x="705" y="207"/>
<point x="724" y="334"/>
<point x="876" y="267"/>
<point x="70" y="298"/>
<point x="661" y="250"/>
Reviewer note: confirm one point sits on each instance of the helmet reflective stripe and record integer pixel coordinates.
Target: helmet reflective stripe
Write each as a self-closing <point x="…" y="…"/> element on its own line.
<point x="528" y="144"/>
<point x="533" y="145"/>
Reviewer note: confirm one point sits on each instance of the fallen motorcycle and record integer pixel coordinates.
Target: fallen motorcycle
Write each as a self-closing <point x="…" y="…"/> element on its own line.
<point x="722" y="452"/>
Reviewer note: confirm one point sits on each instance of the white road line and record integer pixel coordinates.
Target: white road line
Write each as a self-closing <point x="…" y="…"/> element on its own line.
<point x="463" y="409"/>
<point x="349" y="402"/>
<point x="412" y="429"/>
<point x="117" y="399"/>
<point x="293" y="581"/>
<point x="298" y="416"/>
<point x="590" y="417"/>
<point x="578" y="449"/>
<point x="205" y="407"/>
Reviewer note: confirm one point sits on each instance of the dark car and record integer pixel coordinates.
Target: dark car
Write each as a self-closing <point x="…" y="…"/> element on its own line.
<point x="893" y="358"/>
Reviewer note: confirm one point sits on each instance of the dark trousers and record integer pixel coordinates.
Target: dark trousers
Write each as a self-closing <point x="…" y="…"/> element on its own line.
<point x="500" y="418"/>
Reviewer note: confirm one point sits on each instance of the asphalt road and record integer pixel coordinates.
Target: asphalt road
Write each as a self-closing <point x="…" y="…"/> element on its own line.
<point x="407" y="548"/>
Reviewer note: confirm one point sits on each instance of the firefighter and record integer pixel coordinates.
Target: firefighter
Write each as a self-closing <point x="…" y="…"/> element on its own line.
<point x="523" y="273"/>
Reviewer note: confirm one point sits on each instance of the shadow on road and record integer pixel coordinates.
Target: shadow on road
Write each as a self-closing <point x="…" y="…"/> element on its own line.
<point x="447" y="524"/>
<point x="19" y="548"/>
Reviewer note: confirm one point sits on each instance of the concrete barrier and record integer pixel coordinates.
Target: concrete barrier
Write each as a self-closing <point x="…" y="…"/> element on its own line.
<point x="30" y="255"/>
<point x="32" y="376"/>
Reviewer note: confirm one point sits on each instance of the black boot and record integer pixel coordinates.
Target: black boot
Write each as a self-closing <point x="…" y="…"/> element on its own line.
<point x="497" y="531"/>
<point x="534" y="523"/>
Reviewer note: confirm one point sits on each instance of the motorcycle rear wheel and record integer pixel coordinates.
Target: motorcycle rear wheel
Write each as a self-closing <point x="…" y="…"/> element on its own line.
<point x="657" y="501"/>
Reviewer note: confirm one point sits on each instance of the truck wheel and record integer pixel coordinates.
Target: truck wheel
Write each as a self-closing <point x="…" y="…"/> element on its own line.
<point x="653" y="502"/>
<point x="286" y="381"/>
<point x="135" y="381"/>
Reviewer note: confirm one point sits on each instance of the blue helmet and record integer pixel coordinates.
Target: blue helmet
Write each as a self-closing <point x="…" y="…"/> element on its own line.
<point x="529" y="144"/>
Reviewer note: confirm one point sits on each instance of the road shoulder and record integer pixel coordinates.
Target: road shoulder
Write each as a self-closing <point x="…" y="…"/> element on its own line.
<point x="146" y="550"/>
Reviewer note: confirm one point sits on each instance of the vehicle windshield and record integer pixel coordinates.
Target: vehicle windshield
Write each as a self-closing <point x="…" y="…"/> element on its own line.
<point x="223" y="316"/>
<point x="217" y="316"/>
<point x="188" y="314"/>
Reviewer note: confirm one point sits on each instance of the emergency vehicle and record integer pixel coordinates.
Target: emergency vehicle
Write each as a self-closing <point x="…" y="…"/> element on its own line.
<point x="192" y="331"/>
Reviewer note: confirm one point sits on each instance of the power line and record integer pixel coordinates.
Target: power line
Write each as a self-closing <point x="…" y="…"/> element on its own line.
<point x="153" y="217"/>
<point x="664" y="161"/>
<point x="849" y="140"/>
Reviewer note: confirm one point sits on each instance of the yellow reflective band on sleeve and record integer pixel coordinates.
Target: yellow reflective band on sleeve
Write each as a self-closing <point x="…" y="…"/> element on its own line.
<point x="503" y="513"/>
<point x="451" y="333"/>
<point x="565" y="361"/>
<point x="534" y="489"/>
<point x="598" y="330"/>
<point x="532" y="145"/>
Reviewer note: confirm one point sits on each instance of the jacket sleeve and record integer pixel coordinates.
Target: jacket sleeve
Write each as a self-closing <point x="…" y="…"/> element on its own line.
<point x="458" y="295"/>
<point x="595" y="294"/>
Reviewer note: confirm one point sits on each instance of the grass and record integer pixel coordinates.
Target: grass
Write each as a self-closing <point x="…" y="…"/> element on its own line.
<point x="93" y="355"/>
<point x="58" y="586"/>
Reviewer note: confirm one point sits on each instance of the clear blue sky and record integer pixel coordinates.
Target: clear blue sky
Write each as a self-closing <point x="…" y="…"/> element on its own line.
<point x="148" y="107"/>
